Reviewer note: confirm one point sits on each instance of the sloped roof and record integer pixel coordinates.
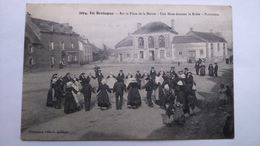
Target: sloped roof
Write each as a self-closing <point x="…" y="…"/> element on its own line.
<point x="209" y="36"/>
<point x="127" y="41"/>
<point x="186" y="39"/>
<point x="154" y="27"/>
<point x="45" y="25"/>
<point x="31" y="35"/>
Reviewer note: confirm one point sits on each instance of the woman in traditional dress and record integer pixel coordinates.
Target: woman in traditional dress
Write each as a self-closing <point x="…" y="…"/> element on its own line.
<point x="59" y="93"/>
<point x="133" y="98"/>
<point x="128" y="78"/>
<point x="178" y="115"/>
<point x="202" y="69"/>
<point x="51" y="99"/>
<point x="211" y="70"/>
<point x="70" y="104"/>
<point x="111" y="79"/>
<point x="144" y="77"/>
<point x="158" y="87"/>
<point x="102" y="97"/>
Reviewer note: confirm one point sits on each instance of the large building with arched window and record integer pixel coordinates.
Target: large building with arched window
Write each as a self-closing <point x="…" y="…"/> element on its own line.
<point x="152" y="42"/>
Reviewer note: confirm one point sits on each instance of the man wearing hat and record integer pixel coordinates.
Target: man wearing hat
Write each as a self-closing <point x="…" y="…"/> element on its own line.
<point x="172" y="71"/>
<point x="138" y="77"/>
<point x="149" y="89"/>
<point x="121" y="75"/>
<point x="82" y="78"/>
<point x="152" y="73"/>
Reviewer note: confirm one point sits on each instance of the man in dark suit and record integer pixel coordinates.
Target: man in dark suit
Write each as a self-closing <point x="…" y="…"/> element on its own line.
<point x="118" y="89"/>
<point x="216" y="70"/>
<point x="121" y="75"/>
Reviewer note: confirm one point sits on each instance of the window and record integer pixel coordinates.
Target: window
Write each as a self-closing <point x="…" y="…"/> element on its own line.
<point x="180" y="53"/>
<point x="218" y="47"/>
<point x="201" y="52"/>
<point x="161" y="41"/>
<point x="140" y="43"/>
<point x="31" y="49"/>
<point x="161" y="53"/>
<point x="141" y="54"/>
<point x="85" y="49"/>
<point x="211" y="46"/>
<point x="72" y="45"/>
<point x="62" y="45"/>
<point x="151" y="42"/>
<point x="52" y="45"/>
<point x="52" y="59"/>
<point x="31" y="61"/>
<point x="68" y="58"/>
<point x="127" y="55"/>
<point x="76" y="58"/>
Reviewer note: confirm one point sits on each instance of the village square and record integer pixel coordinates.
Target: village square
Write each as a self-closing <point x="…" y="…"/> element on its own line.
<point x="153" y="83"/>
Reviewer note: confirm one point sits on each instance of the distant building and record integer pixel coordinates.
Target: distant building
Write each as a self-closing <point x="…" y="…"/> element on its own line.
<point x="158" y="42"/>
<point x="152" y="42"/>
<point x="195" y="45"/>
<point x="47" y="43"/>
<point x="86" y="53"/>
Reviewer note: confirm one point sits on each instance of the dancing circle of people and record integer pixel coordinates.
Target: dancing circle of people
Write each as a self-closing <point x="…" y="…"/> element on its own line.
<point x="174" y="92"/>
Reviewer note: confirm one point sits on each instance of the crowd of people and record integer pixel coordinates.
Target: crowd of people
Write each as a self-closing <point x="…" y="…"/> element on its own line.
<point x="174" y="91"/>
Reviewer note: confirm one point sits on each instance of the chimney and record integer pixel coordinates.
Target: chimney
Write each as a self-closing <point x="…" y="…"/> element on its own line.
<point x="211" y="30"/>
<point x="191" y="29"/>
<point x="172" y="24"/>
<point x="28" y="16"/>
<point x="139" y="25"/>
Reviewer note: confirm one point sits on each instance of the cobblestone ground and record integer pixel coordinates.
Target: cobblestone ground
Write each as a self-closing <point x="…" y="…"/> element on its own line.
<point x="43" y="123"/>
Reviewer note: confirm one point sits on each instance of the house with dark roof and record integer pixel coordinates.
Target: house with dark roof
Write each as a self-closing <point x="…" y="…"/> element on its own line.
<point x="47" y="43"/>
<point x="195" y="45"/>
<point x="151" y="42"/>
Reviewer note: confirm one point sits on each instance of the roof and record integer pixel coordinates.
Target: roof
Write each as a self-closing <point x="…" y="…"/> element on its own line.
<point x="186" y="39"/>
<point x="154" y="27"/>
<point x="127" y="41"/>
<point x="208" y="36"/>
<point x="31" y="35"/>
<point x="47" y="26"/>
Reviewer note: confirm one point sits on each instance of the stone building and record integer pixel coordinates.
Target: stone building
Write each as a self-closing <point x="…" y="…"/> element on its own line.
<point x="152" y="42"/>
<point x="203" y="45"/>
<point x="47" y="43"/>
<point x="158" y="42"/>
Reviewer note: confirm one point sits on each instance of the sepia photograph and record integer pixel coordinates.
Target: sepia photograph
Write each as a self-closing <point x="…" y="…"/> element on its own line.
<point x="127" y="72"/>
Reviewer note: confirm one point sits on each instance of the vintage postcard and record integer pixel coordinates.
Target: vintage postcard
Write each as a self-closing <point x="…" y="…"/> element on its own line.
<point x="127" y="72"/>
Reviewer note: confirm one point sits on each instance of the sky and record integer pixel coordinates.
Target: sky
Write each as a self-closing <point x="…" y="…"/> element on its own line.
<point x="110" y="29"/>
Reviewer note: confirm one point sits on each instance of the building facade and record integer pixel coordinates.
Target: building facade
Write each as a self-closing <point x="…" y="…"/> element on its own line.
<point x="158" y="42"/>
<point x="199" y="45"/>
<point x="86" y="51"/>
<point x="152" y="42"/>
<point x="47" y="43"/>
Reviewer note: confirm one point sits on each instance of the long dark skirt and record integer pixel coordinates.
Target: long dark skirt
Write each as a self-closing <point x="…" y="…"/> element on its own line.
<point x="134" y="98"/>
<point x="103" y="99"/>
<point x="202" y="71"/>
<point x="50" y="101"/>
<point x="211" y="73"/>
<point x="70" y="104"/>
